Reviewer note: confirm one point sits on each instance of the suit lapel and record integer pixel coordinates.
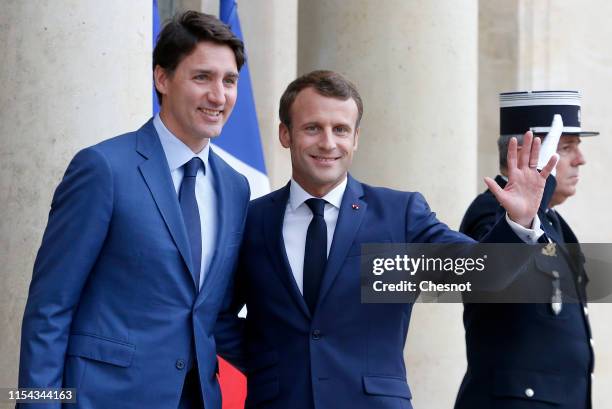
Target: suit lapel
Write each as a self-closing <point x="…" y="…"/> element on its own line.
<point x="156" y="173"/>
<point x="273" y="234"/>
<point x="549" y="228"/>
<point x="574" y="250"/>
<point x="352" y="213"/>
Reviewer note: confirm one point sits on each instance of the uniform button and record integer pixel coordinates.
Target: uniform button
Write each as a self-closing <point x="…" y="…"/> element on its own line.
<point x="529" y="392"/>
<point x="180" y="364"/>
<point x="316" y="334"/>
<point x="579" y="279"/>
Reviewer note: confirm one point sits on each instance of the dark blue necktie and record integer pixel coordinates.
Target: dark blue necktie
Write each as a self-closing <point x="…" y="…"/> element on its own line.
<point x="191" y="214"/>
<point x="315" y="254"/>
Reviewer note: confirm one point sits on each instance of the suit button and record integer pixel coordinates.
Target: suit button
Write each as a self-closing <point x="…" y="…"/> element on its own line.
<point x="586" y="311"/>
<point x="592" y="341"/>
<point x="529" y="392"/>
<point x="316" y="334"/>
<point x="180" y="364"/>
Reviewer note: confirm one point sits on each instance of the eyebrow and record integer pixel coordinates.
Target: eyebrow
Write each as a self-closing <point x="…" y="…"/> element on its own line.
<point x="231" y="74"/>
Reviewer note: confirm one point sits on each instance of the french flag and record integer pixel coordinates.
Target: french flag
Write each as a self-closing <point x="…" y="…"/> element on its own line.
<point x="240" y="146"/>
<point x="240" y="143"/>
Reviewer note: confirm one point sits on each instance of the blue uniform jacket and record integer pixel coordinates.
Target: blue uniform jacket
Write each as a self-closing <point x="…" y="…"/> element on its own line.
<point x="524" y="355"/>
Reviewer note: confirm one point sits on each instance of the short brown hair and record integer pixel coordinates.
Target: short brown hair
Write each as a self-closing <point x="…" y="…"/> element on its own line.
<point x="326" y="83"/>
<point x="181" y="35"/>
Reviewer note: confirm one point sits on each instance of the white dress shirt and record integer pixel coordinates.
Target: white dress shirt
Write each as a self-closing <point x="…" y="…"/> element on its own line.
<point x="296" y="221"/>
<point x="529" y="236"/>
<point x="298" y="216"/>
<point x="177" y="154"/>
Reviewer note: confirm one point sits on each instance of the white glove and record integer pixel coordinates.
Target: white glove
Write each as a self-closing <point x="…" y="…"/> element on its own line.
<point x="549" y="145"/>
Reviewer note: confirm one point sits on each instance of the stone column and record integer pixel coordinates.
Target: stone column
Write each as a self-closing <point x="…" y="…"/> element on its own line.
<point x="73" y="73"/>
<point x="270" y="36"/>
<point x="415" y="64"/>
<point x="571" y="50"/>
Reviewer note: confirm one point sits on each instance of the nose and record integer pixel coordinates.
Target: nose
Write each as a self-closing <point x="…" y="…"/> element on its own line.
<point x="216" y="93"/>
<point x="579" y="159"/>
<point x="327" y="140"/>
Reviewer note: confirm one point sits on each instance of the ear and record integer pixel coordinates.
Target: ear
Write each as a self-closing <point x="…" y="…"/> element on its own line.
<point x="161" y="79"/>
<point x="284" y="135"/>
<point x="356" y="142"/>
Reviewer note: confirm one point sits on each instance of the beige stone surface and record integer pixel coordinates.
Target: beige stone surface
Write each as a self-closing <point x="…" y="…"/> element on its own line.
<point x="498" y="49"/>
<point x="270" y="34"/>
<point x="73" y="73"/>
<point x="415" y="64"/>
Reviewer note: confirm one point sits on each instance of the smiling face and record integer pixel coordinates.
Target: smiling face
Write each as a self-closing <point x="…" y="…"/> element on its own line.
<point x="199" y="95"/>
<point x="568" y="167"/>
<point x="322" y="140"/>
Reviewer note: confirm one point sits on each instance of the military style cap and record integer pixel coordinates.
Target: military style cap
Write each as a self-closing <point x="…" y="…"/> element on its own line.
<point x="534" y="110"/>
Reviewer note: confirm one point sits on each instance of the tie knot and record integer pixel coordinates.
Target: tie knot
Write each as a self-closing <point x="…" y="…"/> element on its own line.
<point x="191" y="167"/>
<point x="316" y="206"/>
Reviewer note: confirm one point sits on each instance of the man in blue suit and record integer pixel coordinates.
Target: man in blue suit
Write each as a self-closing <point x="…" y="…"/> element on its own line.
<point x="141" y="242"/>
<point x="309" y="342"/>
<point x="533" y="355"/>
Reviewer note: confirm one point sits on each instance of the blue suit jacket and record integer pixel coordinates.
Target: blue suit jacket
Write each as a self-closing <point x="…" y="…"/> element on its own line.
<point x="347" y="354"/>
<point x="514" y="347"/>
<point x="112" y="308"/>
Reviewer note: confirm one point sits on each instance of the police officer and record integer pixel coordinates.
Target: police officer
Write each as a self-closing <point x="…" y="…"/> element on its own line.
<point x="533" y="355"/>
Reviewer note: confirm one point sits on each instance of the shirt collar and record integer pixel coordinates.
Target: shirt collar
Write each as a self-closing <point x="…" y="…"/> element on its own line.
<point x="297" y="194"/>
<point x="177" y="153"/>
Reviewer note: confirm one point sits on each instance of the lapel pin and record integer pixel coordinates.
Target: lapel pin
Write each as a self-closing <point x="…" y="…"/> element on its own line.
<point x="355" y="206"/>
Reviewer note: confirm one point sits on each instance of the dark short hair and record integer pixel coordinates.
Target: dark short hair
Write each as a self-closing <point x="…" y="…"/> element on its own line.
<point x="181" y="35"/>
<point x="326" y="83"/>
<point x="502" y="147"/>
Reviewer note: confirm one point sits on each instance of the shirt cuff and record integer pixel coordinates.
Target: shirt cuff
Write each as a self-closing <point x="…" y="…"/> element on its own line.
<point x="529" y="236"/>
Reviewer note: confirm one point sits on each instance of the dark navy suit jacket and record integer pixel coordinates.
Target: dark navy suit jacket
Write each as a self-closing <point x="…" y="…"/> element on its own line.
<point x="345" y="354"/>
<point x="513" y="348"/>
<point x="112" y="308"/>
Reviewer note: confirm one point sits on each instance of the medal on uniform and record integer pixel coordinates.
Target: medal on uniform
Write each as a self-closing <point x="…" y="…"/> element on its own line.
<point x="550" y="250"/>
<point x="556" y="301"/>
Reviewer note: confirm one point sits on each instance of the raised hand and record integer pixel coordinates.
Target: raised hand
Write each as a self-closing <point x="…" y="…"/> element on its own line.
<point x="522" y="195"/>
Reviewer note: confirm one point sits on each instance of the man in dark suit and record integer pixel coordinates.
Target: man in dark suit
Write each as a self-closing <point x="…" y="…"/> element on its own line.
<point x="533" y="355"/>
<point x="142" y="238"/>
<point x="309" y="342"/>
